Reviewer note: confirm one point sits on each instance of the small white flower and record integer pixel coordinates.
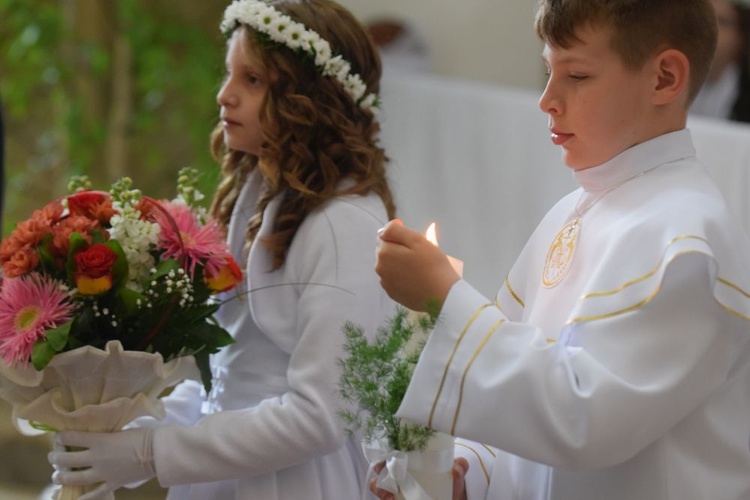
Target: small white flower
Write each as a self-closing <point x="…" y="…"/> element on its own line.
<point x="356" y="87"/>
<point x="295" y="40"/>
<point x="368" y="102"/>
<point x="322" y="52"/>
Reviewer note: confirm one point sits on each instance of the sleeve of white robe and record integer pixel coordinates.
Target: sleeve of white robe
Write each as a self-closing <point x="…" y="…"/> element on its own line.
<point x="481" y="459"/>
<point x="182" y="406"/>
<point x="335" y="254"/>
<point x="605" y="391"/>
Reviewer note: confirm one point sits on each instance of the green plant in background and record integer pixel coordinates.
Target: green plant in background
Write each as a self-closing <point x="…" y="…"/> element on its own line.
<point x="106" y="89"/>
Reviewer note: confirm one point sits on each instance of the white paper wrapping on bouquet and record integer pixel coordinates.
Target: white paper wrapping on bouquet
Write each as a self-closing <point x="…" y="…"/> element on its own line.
<point x="89" y="389"/>
<point x="415" y="475"/>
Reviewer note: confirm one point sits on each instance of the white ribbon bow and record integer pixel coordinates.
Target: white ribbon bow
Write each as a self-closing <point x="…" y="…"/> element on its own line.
<point x="396" y="476"/>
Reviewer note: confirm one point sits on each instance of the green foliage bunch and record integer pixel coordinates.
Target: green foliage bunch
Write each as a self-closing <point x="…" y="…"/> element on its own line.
<point x="375" y="375"/>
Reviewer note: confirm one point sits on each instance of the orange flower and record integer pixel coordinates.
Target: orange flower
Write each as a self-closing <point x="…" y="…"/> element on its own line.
<point x="226" y="278"/>
<point x="62" y="231"/>
<point x="93" y="273"/>
<point x="21" y="262"/>
<point x="32" y="231"/>
<point x="18" y="251"/>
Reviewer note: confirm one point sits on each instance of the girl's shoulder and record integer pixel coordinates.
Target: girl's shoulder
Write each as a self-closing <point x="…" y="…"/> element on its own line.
<point x="363" y="210"/>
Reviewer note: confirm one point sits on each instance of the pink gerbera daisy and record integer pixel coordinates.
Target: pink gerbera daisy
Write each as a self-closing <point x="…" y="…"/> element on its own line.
<point x="29" y="305"/>
<point x="185" y="239"/>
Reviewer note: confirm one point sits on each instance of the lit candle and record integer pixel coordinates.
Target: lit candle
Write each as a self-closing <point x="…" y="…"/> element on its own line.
<point x="431" y="236"/>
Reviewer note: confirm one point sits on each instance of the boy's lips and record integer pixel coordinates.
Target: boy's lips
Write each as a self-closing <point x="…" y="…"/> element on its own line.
<point x="559" y="138"/>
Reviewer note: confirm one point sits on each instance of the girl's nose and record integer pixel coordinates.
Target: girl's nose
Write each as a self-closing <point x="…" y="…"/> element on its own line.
<point x="226" y="97"/>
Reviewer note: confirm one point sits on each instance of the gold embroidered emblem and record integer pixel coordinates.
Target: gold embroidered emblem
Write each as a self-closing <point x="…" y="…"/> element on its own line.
<point x="560" y="254"/>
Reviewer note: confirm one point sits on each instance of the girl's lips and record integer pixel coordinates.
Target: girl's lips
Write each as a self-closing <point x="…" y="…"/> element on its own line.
<point x="558" y="138"/>
<point x="229" y="123"/>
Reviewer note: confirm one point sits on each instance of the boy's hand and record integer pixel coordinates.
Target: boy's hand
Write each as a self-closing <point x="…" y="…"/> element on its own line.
<point x="460" y="467"/>
<point x="413" y="271"/>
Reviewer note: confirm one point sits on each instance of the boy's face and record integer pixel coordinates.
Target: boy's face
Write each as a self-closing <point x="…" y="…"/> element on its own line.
<point x="597" y="107"/>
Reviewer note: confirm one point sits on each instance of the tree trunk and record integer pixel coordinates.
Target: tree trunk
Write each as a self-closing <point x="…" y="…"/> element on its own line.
<point x="121" y="107"/>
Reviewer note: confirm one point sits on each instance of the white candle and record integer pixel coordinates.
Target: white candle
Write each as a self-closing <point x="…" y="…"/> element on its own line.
<point x="431" y="235"/>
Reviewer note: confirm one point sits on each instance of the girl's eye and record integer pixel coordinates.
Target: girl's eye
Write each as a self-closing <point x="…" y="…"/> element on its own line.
<point x="253" y="79"/>
<point x="577" y="77"/>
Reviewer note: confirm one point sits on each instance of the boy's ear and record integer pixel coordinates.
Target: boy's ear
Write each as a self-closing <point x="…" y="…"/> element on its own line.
<point x="672" y="70"/>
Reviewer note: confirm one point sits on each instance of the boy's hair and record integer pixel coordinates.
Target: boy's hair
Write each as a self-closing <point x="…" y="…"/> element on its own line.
<point x="315" y="135"/>
<point x="641" y="28"/>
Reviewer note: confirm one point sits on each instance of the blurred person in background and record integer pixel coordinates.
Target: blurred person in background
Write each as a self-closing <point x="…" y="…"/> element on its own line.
<point x="726" y="92"/>
<point x="401" y="45"/>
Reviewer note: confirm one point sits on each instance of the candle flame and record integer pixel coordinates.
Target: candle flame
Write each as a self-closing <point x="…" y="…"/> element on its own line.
<point x="431" y="234"/>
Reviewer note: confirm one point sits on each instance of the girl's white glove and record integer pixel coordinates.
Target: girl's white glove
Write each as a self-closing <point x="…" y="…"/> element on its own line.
<point x="113" y="459"/>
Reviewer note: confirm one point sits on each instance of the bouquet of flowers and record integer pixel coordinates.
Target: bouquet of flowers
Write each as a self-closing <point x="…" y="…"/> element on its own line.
<point x="374" y="378"/>
<point x="106" y="300"/>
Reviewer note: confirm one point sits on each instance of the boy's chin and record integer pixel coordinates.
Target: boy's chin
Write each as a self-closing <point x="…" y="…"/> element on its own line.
<point x="575" y="163"/>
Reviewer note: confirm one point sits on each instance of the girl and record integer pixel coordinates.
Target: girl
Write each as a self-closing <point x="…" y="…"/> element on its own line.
<point x="303" y="194"/>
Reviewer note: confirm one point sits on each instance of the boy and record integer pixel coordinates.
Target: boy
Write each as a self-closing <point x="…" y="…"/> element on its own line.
<point x="614" y="363"/>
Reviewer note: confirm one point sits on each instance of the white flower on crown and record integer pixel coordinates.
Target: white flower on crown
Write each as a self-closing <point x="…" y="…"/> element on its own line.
<point x="322" y="51"/>
<point x="282" y="29"/>
<point x="295" y="38"/>
<point x="338" y="68"/>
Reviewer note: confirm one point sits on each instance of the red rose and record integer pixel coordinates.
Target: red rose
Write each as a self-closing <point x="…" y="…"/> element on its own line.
<point x="93" y="273"/>
<point x="95" y="205"/>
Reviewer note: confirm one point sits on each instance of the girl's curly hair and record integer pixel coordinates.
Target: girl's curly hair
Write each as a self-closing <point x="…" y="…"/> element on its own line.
<point x="314" y="135"/>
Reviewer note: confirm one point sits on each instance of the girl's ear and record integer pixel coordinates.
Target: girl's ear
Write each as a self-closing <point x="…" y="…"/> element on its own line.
<point x="672" y="71"/>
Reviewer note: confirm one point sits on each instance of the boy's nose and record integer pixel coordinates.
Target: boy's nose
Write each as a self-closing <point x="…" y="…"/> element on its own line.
<point x="548" y="102"/>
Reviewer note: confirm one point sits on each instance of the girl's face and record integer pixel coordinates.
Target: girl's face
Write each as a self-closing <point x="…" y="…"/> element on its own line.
<point x="241" y="96"/>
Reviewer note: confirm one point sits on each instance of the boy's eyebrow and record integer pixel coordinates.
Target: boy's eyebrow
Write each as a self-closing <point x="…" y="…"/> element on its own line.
<point x="567" y="58"/>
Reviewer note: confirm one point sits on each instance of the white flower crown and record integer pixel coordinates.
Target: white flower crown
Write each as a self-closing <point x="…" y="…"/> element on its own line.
<point x="282" y="29"/>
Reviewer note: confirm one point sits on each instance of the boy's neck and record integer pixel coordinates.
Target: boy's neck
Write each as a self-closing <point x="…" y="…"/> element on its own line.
<point x="666" y="119"/>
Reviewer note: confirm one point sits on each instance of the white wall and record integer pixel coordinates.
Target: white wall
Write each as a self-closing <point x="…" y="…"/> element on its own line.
<point x="492" y="41"/>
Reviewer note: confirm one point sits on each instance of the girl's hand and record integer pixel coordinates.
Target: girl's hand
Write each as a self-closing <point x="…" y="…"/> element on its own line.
<point x="460" y="466"/>
<point x="413" y="271"/>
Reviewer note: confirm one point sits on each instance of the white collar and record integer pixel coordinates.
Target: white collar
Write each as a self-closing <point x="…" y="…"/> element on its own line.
<point x="636" y="160"/>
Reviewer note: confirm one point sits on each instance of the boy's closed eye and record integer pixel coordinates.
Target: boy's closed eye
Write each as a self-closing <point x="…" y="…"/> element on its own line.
<point x="573" y="76"/>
